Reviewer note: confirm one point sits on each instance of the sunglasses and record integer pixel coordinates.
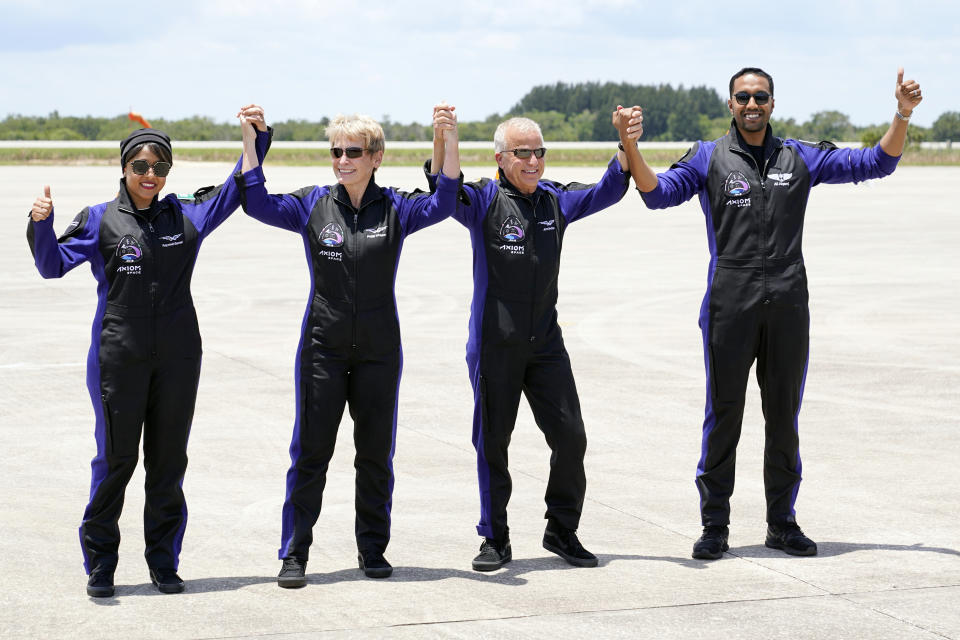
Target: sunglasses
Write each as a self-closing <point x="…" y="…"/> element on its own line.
<point x="352" y="152"/>
<point x="760" y="97"/>
<point x="525" y="153"/>
<point x="160" y="169"/>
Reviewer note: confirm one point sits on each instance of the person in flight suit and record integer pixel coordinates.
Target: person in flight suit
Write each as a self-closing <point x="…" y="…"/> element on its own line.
<point x="143" y="364"/>
<point x="753" y="189"/>
<point x="349" y="352"/>
<point x="517" y="224"/>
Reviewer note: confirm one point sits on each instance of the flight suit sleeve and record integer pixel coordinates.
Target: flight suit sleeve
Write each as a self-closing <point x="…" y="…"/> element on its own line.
<point x="418" y="210"/>
<point x="683" y="180"/>
<point x="581" y="200"/>
<point x="208" y="207"/>
<point x="54" y="256"/>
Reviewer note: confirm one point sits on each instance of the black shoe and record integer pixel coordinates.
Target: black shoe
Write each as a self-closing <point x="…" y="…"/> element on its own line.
<point x="374" y="565"/>
<point x="712" y="543"/>
<point x="100" y="583"/>
<point x="788" y="537"/>
<point x="493" y="555"/>
<point x="564" y="543"/>
<point x="293" y="573"/>
<point x="166" y="580"/>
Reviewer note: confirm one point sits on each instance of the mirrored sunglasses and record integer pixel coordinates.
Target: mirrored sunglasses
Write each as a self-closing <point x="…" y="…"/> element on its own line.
<point x="160" y="168"/>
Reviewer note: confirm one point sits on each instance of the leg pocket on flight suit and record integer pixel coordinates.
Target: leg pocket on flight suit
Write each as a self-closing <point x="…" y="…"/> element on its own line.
<point x="484" y="411"/>
<point x="721" y="386"/>
<point x="120" y="441"/>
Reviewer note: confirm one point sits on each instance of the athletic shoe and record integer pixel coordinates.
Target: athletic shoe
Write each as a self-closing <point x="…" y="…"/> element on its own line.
<point x="166" y="580"/>
<point x="374" y="565"/>
<point x="293" y="573"/>
<point x="493" y="555"/>
<point x="712" y="543"/>
<point x="564" y="543"/>
<point x="100" y="583"/>
<point x="788" y="537"/>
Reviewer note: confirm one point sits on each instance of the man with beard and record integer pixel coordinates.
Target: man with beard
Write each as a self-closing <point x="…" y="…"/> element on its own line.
<point x="753" y="190"/>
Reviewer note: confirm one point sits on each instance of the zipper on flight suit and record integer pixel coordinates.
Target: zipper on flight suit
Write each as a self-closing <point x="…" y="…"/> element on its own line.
<point x="536" y="265"/>
<point x="763" y="223"/>
<point x="763" y="227"/>
<point x="154" y="285"/>
<point x="356" y="277"/>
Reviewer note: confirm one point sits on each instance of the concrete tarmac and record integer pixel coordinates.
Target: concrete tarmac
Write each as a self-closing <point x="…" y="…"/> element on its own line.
<point x="880" y="437"/>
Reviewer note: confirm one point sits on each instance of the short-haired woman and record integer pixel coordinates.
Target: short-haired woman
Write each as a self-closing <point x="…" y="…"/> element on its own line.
<point x="349" y="349"/>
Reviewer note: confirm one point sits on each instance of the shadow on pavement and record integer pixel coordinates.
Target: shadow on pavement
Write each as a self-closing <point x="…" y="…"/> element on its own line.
<point x="203" y="585"/>
<point x="831" y="549"/>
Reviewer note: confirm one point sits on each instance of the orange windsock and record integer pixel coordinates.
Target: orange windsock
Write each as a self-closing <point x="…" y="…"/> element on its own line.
<point x="136" y="117"/>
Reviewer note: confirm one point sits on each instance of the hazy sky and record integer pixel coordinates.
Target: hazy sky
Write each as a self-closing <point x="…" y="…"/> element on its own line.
<point x="308" y="58"/>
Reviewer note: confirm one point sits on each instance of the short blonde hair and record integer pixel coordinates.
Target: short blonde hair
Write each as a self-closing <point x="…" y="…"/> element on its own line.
<point x="357" y="126"/>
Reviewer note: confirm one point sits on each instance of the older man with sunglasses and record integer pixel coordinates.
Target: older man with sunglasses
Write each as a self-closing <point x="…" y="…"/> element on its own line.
<point x="517" y="223"/>
<point x="753" y="189"/>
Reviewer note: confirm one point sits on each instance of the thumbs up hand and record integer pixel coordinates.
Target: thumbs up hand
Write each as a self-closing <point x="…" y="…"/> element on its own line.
<point x="42" y="206"/>
<point x="907" y="93"/>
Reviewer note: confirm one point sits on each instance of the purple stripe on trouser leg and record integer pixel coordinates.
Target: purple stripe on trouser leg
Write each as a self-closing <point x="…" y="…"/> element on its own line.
<point x="483" y="469"/>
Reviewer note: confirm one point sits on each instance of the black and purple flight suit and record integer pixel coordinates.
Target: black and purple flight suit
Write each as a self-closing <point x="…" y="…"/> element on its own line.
<point x="755" y="305"/>
<point x="144" y="360"/>
<point x="515" y="344"/>
<point x="349" y="348"/>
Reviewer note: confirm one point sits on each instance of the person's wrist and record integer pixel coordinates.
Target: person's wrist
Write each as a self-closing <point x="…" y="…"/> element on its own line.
<point x="903" y="114"/>
<point x="620" y="145"/>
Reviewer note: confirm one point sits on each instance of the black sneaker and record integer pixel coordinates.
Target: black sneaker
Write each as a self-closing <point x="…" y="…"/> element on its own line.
<point x="564" y="543"/>
<point x="293" y="573"/>
<point x="712" y="543"/>
<point x="493" y="555"/>
<point x="166" y="580"/>
<point x="374" y="565"/>
<point x="100" y="583"/>
<point x="788" y="537"/>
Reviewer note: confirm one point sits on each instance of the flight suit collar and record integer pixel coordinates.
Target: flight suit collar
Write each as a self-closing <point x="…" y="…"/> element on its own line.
<point x="371" y="194"/>
<point x="125" y="204"/>
<point x="508" y="187"/>
<point x="770" y="142"/>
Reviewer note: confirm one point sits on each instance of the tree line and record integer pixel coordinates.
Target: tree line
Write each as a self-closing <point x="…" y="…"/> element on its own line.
<point x="578" y="112"/>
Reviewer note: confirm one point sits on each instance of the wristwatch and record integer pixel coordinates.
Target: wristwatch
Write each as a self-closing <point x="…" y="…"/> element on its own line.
<point x="620" y="146"/>
<point x="900" y="116"/>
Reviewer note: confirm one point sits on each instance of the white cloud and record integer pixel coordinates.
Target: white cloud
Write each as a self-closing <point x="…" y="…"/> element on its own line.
<point x="307" y="58"/>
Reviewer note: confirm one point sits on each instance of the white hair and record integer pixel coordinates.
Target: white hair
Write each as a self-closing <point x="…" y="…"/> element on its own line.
<point x="519" y="125"/>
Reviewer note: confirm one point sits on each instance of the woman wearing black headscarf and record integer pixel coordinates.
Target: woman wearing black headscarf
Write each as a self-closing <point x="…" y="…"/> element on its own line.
<point x="144" y="360"/>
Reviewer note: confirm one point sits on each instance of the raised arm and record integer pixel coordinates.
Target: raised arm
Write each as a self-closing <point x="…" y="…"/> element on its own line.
<point x="581" y="200"/>
<point x="829" y="164"/>
<point x="908" y="96"/>
<point x="424" y="210"/>
<point x="629" y="124"/>
<point x="445" y="121"/>
<point x="442" y="114"/>
<point x="209" y="208"/>
<point x="54" y="257"/>
<point x="252" y="119"/>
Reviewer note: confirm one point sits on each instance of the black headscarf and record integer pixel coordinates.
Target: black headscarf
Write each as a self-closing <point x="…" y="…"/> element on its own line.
<point x="141" y="136"/>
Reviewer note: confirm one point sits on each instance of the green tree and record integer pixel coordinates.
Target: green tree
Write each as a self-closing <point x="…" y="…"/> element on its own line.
<point x="789" y="129"/>
<point x="946" y="127"/>
<point x="829" y="125"/>
<point x="870" y="136"/>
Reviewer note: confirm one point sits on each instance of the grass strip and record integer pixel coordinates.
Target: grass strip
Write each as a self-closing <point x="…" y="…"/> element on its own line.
<point x="400" y="157"/>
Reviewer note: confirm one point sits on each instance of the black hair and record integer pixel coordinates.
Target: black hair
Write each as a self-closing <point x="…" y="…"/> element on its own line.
<point x="757" y="71"/>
